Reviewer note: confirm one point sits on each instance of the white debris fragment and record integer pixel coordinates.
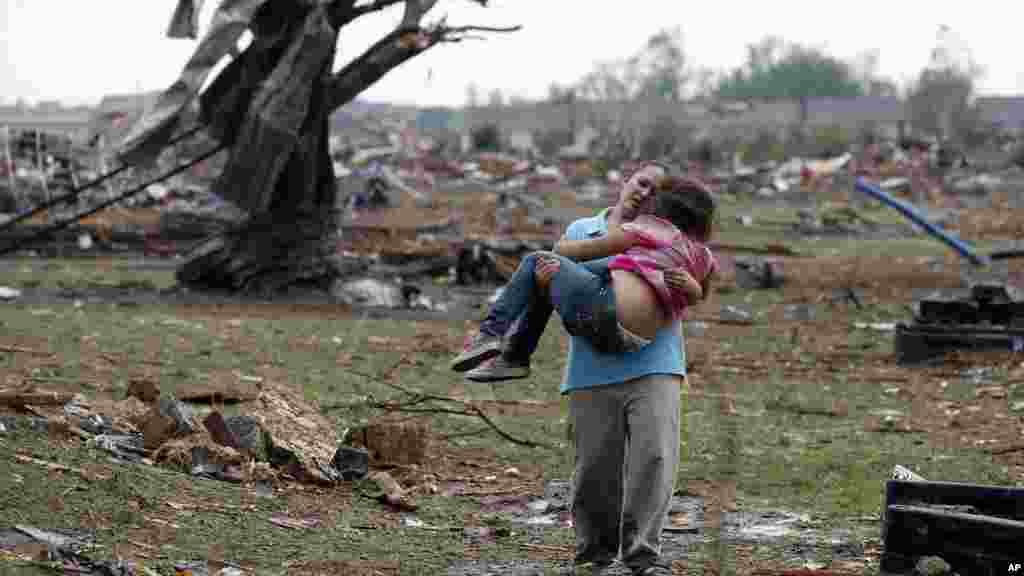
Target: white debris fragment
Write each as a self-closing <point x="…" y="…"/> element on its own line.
<point x="7" y="293"/>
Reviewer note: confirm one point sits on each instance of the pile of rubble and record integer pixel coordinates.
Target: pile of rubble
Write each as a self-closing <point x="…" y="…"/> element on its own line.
<point x="271" y="435"/>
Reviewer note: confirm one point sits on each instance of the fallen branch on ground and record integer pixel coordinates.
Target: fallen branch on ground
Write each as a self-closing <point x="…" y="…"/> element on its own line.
<point x="59" y="467"/>
<point x="18" y="398"/>
<point x="1009" y="449"/>
<point x="24" y="350"/>
<point x="418" y="398"/>
<point x="474" y="432"/>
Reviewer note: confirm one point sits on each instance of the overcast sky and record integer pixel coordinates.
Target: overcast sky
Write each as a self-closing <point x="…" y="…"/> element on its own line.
<point x="77" y="51"/>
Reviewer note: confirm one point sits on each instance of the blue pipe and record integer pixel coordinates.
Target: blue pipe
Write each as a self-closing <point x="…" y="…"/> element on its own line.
<point x="915" y="216"/>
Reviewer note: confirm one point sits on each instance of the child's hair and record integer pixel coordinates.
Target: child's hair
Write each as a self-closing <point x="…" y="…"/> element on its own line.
<point x="688" y="204"/>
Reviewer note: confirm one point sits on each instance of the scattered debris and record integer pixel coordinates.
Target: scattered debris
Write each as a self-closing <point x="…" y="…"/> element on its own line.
<point x="371" y="293"/>
<point x="351" y="463"/>
<point x="876" y="326"/>
<point x="905" y="474"/>
<point x="22" y="398"/>
<point x="736" y="315"/>
<point x="307" y="522"/>
<point x="753" y="273"/>
<point x="168" y="419"/>
<point x="394" y="441"/>
<point x="799" y="312"/>
<point x="204" y="468"/>
<point x="391" y="492"/>
<point x="299" y="439"/>
<point x="144" y="389"/>
<point x="129" y="448"/>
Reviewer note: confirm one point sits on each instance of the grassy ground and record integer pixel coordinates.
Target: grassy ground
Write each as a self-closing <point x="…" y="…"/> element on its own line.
<point x="763" y="428"/>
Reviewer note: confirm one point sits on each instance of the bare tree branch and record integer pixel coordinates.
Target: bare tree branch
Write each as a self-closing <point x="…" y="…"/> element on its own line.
<point x="394" y="49"/>
<point x="446" y="30"/>
<point x="375" y="6"/>
<point x="415" y="10"/>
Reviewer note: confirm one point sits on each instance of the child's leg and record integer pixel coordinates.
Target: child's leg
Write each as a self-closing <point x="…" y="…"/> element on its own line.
<point x="601" y="267"/>
<point x="523" y="337"/>
<point x="515" y="296"/>
<point x="583" y="296"/>
<point x="511" y="304"/>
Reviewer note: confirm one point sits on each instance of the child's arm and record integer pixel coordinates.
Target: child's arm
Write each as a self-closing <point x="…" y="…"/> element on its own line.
<point x="705" y="284"/>
<point x="678" y="279"/>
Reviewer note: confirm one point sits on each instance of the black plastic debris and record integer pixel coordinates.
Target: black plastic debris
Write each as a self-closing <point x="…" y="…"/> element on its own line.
<point x="239" y="432"/>
<point x="759" y="273"/>
<point x="38" y="424"/>
<point x="246" y="431"/>
<point x="799" y="312"/>
<point x="846" y="295"/>
<point x="977" y="529"/>
<point x="286" y="460"/>
<point x="987" y="319"/>
<point x="351" y="463"/>
<point x="264" y="489"/>
<point x="11" y="538"/>
<point x="8" y="424"/>
<point x="181" y="413"/>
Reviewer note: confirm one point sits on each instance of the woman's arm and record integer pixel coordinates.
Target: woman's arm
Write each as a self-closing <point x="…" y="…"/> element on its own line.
<point x="615" y="242"/>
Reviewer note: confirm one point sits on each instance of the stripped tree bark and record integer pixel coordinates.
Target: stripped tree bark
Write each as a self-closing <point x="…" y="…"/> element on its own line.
<point x="270" y="106"/>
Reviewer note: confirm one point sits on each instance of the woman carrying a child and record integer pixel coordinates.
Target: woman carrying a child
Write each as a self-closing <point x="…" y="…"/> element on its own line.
<point x="620" y="293"/>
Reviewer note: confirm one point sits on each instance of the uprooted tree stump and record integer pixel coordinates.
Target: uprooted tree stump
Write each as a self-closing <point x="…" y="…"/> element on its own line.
<point x="270" y="109"/>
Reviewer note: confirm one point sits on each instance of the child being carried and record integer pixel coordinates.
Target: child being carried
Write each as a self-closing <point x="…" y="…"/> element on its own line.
<point x="619" y="302"/>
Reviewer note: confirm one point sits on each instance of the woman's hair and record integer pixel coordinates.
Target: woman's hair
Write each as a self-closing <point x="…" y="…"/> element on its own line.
<point x="688" y="204"/>
<point x="628" y="173"/>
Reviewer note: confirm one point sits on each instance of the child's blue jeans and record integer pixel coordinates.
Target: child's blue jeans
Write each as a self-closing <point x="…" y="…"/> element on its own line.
<point x="581" y="293"/>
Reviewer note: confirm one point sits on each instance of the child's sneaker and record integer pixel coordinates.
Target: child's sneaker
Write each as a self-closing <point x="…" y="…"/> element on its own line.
<point x="498" y="369"/>
<point x="478" y="349"/>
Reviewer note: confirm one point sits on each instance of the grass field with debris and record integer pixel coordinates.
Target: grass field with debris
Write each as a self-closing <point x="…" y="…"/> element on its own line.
<point x="802" y="415"/>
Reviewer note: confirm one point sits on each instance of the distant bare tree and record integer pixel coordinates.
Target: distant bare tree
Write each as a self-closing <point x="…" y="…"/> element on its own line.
<point x="658" y="72"/>
<point x="495" y="99"/>
<point x="472" y="95"/>
<point x="940" y="101"/>
<point x="865" y="69"/>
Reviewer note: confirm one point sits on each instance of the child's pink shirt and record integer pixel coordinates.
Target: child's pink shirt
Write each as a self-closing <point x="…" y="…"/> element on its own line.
<point x="663" y="247"/>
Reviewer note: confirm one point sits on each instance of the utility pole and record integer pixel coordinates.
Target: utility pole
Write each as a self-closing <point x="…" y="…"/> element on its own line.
<point x="9" y="161"/>
<point x="42" y="171"/>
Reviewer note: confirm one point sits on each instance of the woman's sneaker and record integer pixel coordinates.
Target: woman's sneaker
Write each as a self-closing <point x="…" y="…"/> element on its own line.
<point x="477" y="349"/>
<point x="498" y="369"/>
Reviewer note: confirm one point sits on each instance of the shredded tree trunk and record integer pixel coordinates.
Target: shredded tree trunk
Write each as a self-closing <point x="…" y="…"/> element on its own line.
<point x="271" y="107"/>
<point x="279" y="169"/>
